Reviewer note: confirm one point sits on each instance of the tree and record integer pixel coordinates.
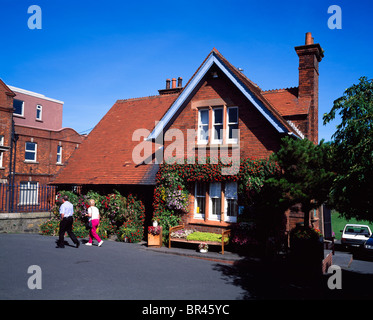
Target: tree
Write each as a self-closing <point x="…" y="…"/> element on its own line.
<point x="352" y="145"/>
<point x="305" y="177"/>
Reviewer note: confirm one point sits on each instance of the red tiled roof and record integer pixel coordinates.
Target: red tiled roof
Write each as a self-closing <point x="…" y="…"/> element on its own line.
<point x="105" y="157"/>
<point x="286" y="101"/>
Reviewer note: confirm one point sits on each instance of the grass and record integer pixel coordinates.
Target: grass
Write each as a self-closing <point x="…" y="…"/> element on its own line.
<point x="338" y="224"/>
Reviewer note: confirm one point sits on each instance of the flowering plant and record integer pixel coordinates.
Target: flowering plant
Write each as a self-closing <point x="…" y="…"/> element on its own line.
<point x="154" y="230"/>
<point x="203" y="246"/>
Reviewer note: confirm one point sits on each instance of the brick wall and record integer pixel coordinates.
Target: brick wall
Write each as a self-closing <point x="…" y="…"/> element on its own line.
<point x="46" y="163"/>
<point x="6" y="111"/>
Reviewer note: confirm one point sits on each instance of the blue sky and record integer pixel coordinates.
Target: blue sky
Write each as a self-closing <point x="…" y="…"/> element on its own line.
<point x="90" y="54"/>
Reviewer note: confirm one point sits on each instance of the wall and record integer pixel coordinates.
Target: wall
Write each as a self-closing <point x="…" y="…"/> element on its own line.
<point x="51" y="110"/>
<point x="47" y="141"/>
<point x="22" y="222"/>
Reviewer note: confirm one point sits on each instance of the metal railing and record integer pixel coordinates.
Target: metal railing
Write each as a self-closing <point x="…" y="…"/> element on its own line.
<point x="26" y="197"/>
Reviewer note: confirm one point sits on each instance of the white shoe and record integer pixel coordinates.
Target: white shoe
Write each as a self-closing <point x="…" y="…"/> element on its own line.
<point x="88" y="244"/>
<point x="101" y="242"/>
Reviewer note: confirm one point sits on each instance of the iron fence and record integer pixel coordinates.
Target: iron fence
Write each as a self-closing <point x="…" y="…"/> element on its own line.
<point x="26" y="197"/>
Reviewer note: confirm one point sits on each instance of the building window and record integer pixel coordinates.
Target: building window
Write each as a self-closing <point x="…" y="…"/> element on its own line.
<point x="232" y="124"/>
<point x="28" y="193"/>
<point x="219" y="195"/>
<point x="215" y="201"/>
<point x="217" y="125"/>
<point x="231" y="207"/>
<point x="59" y="155"/>
<point x="200" y="200"/>
<point x="30" y="151"/>
<point x="39" y="112"/>
<point x="18" y="106"/>
<point x="218" y="120"/>
<point x="203" y="126"/>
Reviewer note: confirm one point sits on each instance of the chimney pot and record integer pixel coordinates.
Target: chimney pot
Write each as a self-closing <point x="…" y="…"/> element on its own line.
<point x="168" y="81"/>
<point x="179" y="82"/>
<point x="173" y="83"/>
<point x="309" y="39"/>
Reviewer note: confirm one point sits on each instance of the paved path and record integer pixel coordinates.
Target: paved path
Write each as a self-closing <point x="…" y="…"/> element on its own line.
<point x="114" y="271"/>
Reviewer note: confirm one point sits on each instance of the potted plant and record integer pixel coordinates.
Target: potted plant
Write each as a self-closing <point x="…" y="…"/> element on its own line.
<point x="203" y="247"/>
<point x="155" y="236"/>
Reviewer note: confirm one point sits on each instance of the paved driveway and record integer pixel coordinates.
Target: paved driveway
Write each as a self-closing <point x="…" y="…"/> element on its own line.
<point x="114" y="271"/>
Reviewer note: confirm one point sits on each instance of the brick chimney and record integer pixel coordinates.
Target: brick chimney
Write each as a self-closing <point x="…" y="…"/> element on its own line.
<point x="310" y="55"/>
<point x="173" y="88"/>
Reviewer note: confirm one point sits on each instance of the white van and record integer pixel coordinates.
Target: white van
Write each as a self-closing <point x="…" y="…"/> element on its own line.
<point x="355" y="235"/>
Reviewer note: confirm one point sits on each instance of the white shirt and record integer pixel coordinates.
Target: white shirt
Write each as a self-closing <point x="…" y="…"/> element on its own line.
<point x="67" y="209"/>
<point x="95" y="214"/>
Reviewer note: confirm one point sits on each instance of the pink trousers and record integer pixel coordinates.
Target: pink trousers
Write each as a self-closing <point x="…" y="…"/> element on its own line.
<point x="92" y="231"/>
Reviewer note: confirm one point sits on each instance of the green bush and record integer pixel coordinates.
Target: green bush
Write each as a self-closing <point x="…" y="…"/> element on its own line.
<point x="118" y="214"/>
<point x="50" y="227"/>
<point x="204" y="236"/>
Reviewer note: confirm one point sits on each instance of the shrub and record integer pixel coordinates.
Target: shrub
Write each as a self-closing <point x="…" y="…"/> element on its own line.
<point x="50" y="227"/>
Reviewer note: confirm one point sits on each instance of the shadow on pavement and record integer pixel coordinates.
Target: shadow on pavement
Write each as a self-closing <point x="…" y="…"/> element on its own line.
<point x="282" y="280"/>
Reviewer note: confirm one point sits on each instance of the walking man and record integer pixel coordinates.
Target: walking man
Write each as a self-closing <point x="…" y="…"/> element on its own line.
<point x="66" y="224"/>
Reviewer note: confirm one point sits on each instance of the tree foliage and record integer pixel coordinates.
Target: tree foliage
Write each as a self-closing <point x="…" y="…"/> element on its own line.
<point x="305" y="177"/>
<point x="352" y="145"/>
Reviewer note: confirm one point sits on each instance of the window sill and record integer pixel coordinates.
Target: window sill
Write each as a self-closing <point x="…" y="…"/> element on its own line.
<point x="217" y="146"/>
<point x="31" y="162"/>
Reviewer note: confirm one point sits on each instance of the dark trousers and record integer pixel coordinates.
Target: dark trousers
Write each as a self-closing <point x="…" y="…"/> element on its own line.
<point x="66" y="225"/>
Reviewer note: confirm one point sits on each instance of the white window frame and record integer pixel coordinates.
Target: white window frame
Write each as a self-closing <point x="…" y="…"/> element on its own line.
<point x="35" y="152"/>
<point x="203" y="125"/>
<point x="213" y="124"/>
<point x="197" y="213"/>
<point x="230" y="123"/>
<point x="59" y="154"/>
<point x="213" y="216"/>
<point x="226" y="198"/>
<point x="23" y="109"/>
<point x="28" y="193"/>
<point x="39" y="108"/>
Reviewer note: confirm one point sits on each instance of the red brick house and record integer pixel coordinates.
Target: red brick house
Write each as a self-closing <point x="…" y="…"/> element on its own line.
<point x="39" y="149"/>
<point x="222" y="108"/>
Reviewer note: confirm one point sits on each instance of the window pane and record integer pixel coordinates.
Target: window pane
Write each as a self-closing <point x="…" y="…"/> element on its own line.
<point x="215" y="190"/>
<point x="216" y="206"/>
<point x="18" y="106"/>
<point x="232" y="114"/>
<point x="30" y="146"/>
<point x="218" y="115"/>
<point x="201" y="189"/>
<point x="201" y="204"/>
<point x="218" y="132"/>
<point x="204" y="116"/>
<point x="204" y="133"/>
<point x="231" y="207"/>
<point x="233" y="133"/>
<point x="231" y="190"/>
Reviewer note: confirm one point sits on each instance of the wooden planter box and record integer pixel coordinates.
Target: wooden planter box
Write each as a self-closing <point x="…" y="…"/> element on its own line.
<point x="155" y="241"/>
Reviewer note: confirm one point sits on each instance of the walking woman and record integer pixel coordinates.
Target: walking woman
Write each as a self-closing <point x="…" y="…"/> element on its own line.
<point x="94" y="219"/>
